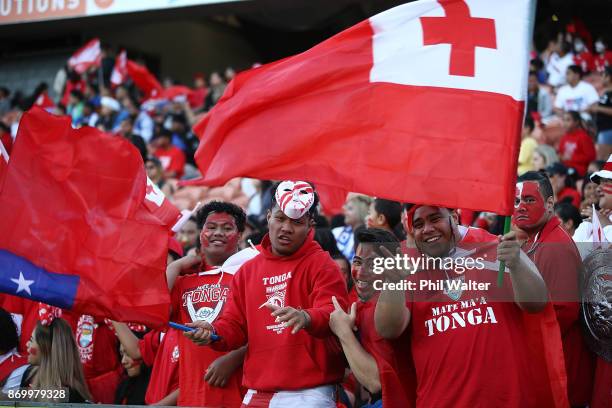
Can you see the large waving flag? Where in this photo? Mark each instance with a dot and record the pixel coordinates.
(88, 55)
(119, 74)
(144, 79)
(421, 103)
(75, 229)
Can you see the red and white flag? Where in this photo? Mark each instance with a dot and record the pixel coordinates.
(88, 55)
(120, 73)
(45, 102)
(157, 203)
(144, 80)
(422, 103)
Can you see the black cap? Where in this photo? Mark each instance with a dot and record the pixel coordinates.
(557, 168)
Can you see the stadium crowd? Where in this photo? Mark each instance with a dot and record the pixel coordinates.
(339, 341)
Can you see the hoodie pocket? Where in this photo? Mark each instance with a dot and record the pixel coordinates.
(284, 367)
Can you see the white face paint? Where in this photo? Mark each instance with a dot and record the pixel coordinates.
(518, 194)
(600, 47)
(294, 198)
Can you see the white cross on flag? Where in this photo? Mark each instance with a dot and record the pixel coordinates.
(422, 103)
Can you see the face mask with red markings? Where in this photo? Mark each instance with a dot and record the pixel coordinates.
(294, 198)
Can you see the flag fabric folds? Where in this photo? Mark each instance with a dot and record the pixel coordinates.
(422, 103)
(75, 231)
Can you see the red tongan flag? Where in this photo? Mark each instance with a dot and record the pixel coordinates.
(144, 80)
(76, 231)
(422, 103)
(120, 72)
(88, 55)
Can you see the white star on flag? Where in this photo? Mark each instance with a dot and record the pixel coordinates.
(23, 284)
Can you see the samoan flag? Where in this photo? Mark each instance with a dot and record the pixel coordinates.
(74, 228)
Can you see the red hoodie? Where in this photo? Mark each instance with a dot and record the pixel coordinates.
(577, 150)
(277, 360)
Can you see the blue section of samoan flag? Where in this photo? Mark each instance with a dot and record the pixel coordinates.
(20, 277)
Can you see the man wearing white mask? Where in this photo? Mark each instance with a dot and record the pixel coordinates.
(280, 302)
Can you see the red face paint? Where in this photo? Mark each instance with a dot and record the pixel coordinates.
(529, 208)
(220, 233)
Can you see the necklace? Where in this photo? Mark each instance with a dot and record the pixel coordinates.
(534, 244)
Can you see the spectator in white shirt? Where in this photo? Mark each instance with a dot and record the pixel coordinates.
(577, 95)
(558, 63)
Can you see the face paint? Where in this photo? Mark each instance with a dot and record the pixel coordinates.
(529, 207)
(294, 198)
(220, 233)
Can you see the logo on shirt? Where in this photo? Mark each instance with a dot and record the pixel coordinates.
(175, 354)
(84, 337)
(209, 295)
(471, 312)
(568, 150)
(276, 291)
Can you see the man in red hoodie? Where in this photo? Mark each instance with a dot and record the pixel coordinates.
(280, 302)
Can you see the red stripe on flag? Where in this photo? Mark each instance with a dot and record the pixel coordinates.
(320, 119)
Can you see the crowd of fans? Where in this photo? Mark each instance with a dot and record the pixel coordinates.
(566, 139)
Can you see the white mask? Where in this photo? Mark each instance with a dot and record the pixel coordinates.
(579, 46)
(294, 198)
(600, 47)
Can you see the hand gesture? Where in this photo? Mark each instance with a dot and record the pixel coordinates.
(298, 319)
(393, 274)
(341, 322)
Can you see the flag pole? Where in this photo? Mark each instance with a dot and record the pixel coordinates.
(502, 264)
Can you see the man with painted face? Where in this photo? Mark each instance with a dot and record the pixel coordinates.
(207, 377)
(463, 339)
(558, 259)
(280, 303)
(384, 367)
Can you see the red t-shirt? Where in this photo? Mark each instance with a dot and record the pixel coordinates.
(601, 61)
(558, 260)
(393, 359)
(585, 61)
(470, 351)
(172, 159)
(572, 193)
(577, 150)
(160, 351)
(202, 297)
(197, 97)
